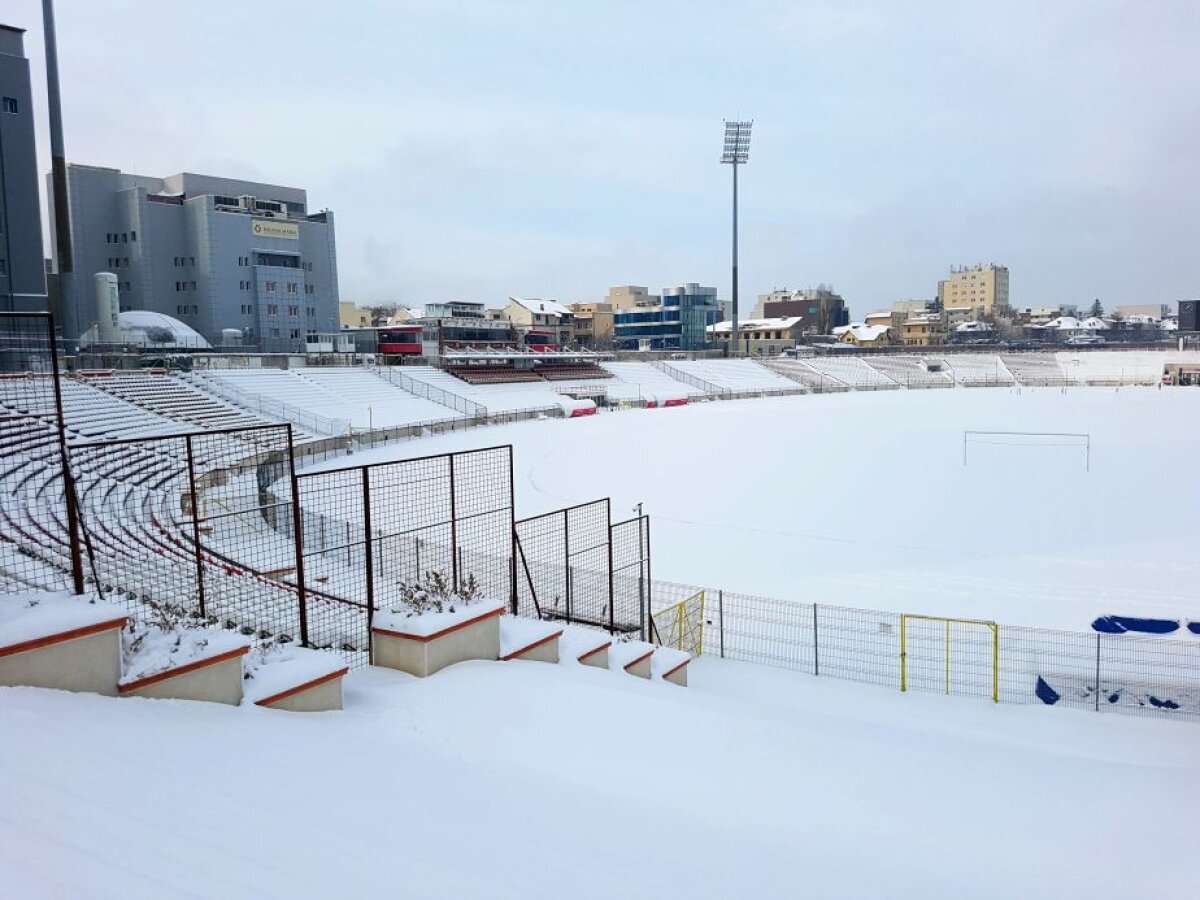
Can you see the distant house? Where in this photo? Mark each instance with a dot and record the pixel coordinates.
(545, 324)
(760, 337)
(862, 335)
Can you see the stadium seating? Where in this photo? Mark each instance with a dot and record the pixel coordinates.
(978, 369)
(642, 381)
(908, 371)
(172, 398)
(500, 397)
(850, 371)
(492, 373)
(570, 371)
(735, 375)
(1035, 368)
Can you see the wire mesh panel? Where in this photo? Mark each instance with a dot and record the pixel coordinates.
(563, 566)
(630, 541)
(369, 531)
(858, 645)
(1143, 675)
(1060, 665)
(36, 547)
(194, 522)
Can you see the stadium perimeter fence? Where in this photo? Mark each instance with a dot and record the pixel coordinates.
(1126, 673)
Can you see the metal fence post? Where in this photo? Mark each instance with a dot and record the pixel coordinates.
(1098, 637)
(453, 530)
(195, 513)
(369, 562)
(512, 534)
(70, 498)
(721, 619)
(816, 644)
(298, 533)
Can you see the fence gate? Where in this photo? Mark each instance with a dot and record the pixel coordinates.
(631, 574)
(564, 565)
(681, 625)
(952, 656)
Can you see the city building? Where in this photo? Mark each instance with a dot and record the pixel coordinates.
(1145, 311)
(760, 337)
(592, 325)
(631, 296)
(22, 258)
(982, 288)
(821, 309)
(456, 309)
(225, 257)
(463, 325)
(923, 330)
(543, 323)
(679, 322)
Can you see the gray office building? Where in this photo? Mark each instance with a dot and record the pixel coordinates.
(22, 263)
(245, 264)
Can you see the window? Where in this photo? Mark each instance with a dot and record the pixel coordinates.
(124, 237)
(293, 310)
(295, 334)
(108, 238)
(133, 235)
(272, 309)
(291, 287)
(3, 267)
(191, 260)
(269, 287)
(9, 105)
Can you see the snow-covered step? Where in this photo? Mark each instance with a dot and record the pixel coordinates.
(426, 643)
(529, 639)
(670, 665)
(58, 640)
(192, 664)
(632, 657)
(293, 679)
(584, 646)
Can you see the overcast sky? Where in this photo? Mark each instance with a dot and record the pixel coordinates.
(472, 150)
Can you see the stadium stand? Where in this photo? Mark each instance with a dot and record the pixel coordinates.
(172, 398)
(851, 371)
(735, 375)
(642, 381)
(492, 373)
(570, 371)
(501, 397)
(909, 371)
(1118, 367)
(1035, 368)
(977, 369)
(804, 375)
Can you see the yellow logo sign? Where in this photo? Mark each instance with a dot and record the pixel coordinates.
(266, 228)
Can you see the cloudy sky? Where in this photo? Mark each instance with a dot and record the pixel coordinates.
(472, 150)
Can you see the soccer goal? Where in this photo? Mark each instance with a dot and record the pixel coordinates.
(955, 656)
(1029, 440)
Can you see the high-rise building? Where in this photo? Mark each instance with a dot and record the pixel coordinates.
(219, 254)
(982, 288)
(22, 261)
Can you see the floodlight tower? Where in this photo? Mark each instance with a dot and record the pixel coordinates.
(737, 153)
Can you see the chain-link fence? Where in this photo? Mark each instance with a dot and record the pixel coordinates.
(38, 526)
(1141, 675)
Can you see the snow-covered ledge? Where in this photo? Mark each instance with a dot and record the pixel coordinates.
(529, 639)
(584, 646)
(188, 664)
(632, 657)
(293, 679)
(59, 640)
(670, 665)
(422, 644)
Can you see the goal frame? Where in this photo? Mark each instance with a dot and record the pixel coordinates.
(905, 618)
(1086, 438)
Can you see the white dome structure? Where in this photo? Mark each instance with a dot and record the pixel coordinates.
(152, 330)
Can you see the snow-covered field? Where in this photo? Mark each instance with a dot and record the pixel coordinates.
(863, 499)
(494, 780)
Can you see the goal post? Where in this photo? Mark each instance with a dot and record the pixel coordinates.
(1033, 439)
(941, 628)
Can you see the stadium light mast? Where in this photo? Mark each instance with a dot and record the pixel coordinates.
(736, 153)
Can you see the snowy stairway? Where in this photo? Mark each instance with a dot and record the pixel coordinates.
(61, 641)
(529, 639)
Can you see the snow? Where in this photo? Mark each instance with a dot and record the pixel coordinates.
(33, 615)
(622, 653)
(576, 642)
(529, 778)
(151, 650)
(406, 622)
(862, 499)
(666, 659)
(517, 634)
(273, 668)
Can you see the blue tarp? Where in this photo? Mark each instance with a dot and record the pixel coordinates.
(1122, 624)
(1194, 627)
(1046, 694)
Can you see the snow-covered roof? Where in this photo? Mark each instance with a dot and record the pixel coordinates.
(151, 329)
(546, 307)
(865, 333)
(1064, 323)
(783, 322)
(973, 326)
(1094, 323)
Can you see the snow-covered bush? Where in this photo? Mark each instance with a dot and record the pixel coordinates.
(435, 594)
